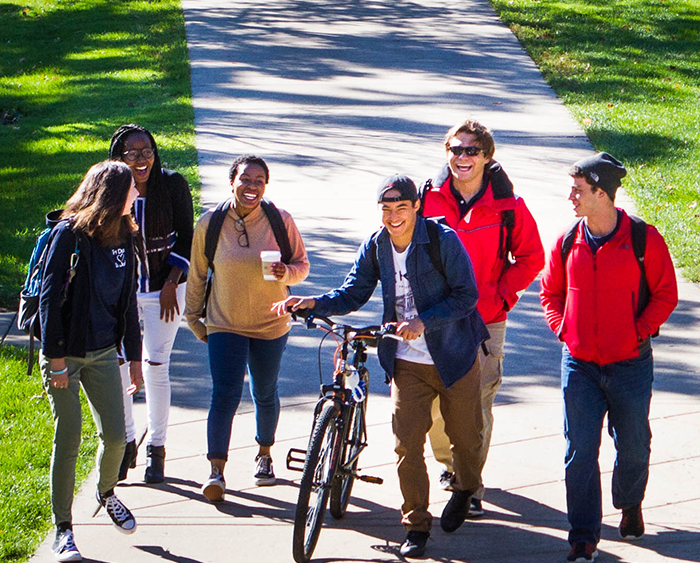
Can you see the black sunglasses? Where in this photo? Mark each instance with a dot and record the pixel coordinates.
(469, 151)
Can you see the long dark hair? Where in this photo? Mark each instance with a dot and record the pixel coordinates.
(159, 208)
(97, 206)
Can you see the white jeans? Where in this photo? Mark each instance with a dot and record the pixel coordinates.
(158, 339)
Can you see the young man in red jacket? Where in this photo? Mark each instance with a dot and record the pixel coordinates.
(476, 198)
(591, 290)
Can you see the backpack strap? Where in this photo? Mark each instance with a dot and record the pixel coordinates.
(639, 246)
(568, 241)
(434, 246)
(211, 240)
(278, 228)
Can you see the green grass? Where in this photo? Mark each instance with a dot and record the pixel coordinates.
(629, 71)
(26, 435)
(71, 72)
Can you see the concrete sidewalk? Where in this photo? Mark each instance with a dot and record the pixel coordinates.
(336, 95)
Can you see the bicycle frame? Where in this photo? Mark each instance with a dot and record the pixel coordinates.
(338, 436)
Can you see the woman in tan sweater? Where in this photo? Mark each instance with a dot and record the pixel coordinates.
(240, 328)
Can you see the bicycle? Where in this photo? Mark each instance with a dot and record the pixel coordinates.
(339, 433)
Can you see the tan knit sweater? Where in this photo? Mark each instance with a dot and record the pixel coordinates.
(240, 299)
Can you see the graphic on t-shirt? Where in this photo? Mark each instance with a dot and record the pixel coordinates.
(410, 350)
(119, 257)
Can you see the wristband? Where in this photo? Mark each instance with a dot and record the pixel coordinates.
(60, 372)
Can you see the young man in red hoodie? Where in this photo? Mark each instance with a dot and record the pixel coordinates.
(476, 198)
(605, 293)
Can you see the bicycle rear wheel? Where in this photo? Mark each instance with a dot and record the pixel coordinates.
(319, 470)
(353, 439)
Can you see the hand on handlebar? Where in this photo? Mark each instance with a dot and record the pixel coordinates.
(293, 303)
(410, 330)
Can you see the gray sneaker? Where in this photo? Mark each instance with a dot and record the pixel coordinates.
(64, 548)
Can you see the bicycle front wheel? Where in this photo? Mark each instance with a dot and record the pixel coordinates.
(316, 479)
(353, 439)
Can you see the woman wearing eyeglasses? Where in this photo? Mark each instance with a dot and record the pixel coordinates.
(163, 212)
(240, 329)
(476, 198)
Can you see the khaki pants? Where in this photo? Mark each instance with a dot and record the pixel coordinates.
(491, 377)
(98, 373)
(413, 391)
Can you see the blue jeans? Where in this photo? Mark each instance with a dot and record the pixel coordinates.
(623, 391)
(229, 356)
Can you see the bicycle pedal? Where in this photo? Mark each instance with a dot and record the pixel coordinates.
(296, 459)
(370, 479)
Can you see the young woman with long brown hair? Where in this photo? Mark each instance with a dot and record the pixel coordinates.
(88, 312)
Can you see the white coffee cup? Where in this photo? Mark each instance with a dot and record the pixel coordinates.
(269, 257)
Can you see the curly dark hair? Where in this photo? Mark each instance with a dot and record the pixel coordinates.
(248, 159)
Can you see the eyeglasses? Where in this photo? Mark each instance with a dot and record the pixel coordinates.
(469, 151)
(243, 238)
(133, 154)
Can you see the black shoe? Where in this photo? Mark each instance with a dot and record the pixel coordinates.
(582, 552)
(455, 511)
(632, 523)
(155, 465)
(129, 459)
(121, 516)
(414, 546)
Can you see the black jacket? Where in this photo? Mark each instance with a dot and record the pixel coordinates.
(174, 248)
(64, 327)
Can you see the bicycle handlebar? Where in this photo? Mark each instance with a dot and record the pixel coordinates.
(349, 332)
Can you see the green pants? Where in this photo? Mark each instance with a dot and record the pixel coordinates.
(98, 373)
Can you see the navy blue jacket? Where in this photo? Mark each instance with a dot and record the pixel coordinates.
(64, 328)
(454, 330)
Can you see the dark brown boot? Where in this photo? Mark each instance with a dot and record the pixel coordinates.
(155, 465)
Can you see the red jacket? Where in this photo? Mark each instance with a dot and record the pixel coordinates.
(591, 303)
(481, 233)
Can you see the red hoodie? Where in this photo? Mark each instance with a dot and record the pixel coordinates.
(482, 234)
(591, 302)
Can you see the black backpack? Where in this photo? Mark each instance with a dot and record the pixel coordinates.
(502, 188)
(639, 244)
(211, 238)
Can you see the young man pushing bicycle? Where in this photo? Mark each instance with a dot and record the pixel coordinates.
(429, 292)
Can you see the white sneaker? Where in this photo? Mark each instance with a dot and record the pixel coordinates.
(64, 548)
(214, 488)
(121, 516)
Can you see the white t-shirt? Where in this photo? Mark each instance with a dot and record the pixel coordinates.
(409, 350)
